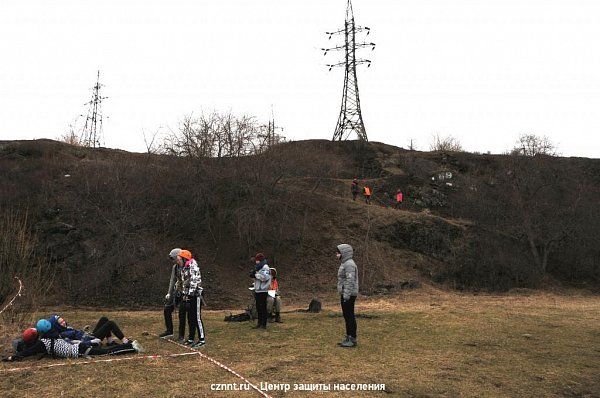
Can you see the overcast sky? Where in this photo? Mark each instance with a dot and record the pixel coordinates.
(482, 71)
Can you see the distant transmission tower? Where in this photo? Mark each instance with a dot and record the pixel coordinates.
(350, 119)
(92, 135)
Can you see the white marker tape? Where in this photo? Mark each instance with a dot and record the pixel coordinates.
(14, 298)
(219, 364)
(73, 363)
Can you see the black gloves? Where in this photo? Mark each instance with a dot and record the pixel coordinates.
(252, 274)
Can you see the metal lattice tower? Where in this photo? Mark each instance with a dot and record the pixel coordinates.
(350, 119)
(92, 135)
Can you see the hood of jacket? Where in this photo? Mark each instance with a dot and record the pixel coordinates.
(347, 252)
(260, 265)
(55, 325)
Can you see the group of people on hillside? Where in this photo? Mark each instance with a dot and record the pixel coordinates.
(53, 336)
(355, 189)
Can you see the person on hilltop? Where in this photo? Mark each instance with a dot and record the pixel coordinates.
(172, 299)
(367, 194)
(398, 198)
(355, 189)
(262, 282)
(347, 287)
(191, 301)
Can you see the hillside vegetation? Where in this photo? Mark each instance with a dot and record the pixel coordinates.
(104, 220)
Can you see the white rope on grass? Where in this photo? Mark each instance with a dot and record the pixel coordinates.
(73, 363)
(219, 364)
(14, 298)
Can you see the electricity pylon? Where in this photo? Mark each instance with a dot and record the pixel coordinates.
(350, 119)
(92, 135)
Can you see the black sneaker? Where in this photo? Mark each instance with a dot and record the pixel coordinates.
(189, 342)
(165, 335)
(199, 344)
(181, 340)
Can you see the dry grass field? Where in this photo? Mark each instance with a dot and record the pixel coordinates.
(420, 344)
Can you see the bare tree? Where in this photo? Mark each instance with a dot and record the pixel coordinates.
(150, 141)
(445, 144)
(532, 145)
(220, 135)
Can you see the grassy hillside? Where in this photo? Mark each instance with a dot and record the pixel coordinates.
(106, 219)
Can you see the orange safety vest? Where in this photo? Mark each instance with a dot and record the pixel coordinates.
(367, 191)
(274, 284)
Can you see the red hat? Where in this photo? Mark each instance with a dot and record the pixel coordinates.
(259, 257)
(30, 335)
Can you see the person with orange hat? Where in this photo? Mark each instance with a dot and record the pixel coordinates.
(191, 302)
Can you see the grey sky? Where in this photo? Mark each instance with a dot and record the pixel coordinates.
(483, 71)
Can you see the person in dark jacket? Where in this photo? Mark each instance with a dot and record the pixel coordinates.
(347, 287)
(355, 189)
(171, 298)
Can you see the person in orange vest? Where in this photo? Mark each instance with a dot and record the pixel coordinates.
(399, 198)
(367, 193)
(354, 189)
(274, 299)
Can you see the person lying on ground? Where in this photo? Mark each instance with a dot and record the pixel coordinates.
(59, 348)
(104, 329)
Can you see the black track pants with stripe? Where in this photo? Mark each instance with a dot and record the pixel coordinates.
(195, 318)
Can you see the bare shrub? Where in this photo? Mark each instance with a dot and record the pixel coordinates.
(71, 138)
(445, 144)
(19, 259)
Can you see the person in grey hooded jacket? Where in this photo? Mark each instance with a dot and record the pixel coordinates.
(262, 282)
(171, 299)
(348, 289)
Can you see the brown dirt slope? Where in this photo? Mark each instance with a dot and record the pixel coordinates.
(105, 219)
